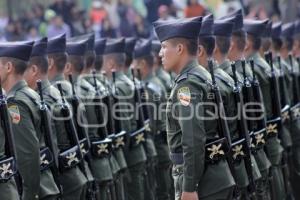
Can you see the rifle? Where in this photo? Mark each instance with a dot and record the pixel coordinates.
(295, 103)
(84, 142)
(48, 135)
(141, 129)
(244, 132)
(275, 121)
(222, 125)
(10, 147)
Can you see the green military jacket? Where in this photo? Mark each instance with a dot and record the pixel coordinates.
(165, 79)
(125, 88)
(263, 73)
(188, 132)
(26, 124)
(72, 179)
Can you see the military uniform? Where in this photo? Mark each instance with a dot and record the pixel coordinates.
(24, 109)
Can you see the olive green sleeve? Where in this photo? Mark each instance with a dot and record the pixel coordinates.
(28, 155)
(193, 136)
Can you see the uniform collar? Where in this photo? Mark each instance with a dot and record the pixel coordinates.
(58, 77)
(19, 85)
(192, 64)
(254, 56)
(149, 77)
(45, 84)
(225, 65)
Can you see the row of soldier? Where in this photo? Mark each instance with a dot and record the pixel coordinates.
(128, 158)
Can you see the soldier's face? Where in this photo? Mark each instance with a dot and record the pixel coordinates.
(168, 54)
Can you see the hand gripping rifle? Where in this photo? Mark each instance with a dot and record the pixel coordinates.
(244, 132)
(10, 148)
(48, 135)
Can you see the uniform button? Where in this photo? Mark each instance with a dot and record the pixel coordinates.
(36, 196)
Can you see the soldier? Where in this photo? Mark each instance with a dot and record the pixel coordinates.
(226, 84)
(114, 59)
(274, 149)
(164, 76)
(143, 60)
(26, 123)
(119, 168)
(72, 180)
(236, 53)
(8, 186)
(266, 39)
(187, 137)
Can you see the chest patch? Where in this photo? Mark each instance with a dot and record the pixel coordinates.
(184, 96)
(14, 113)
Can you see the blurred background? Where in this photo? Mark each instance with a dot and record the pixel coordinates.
(32, 19)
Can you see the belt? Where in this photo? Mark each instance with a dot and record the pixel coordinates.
(8, 169)
(215, 151)
(46, 158)
(273, 127)
(177, 158)
(137, 137)
(101, 148)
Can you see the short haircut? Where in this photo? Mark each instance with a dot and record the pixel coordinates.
(98, 62)
(77, 62)
(119, 58)
(288, 43)
(149, 59)
(256, 42)
(41, 62)
(191, 44)
(277, 44)
(208, 43)
(19, 65)
(240, 38)
(60, 60)
(89, 59)
(128, 59)
(266, 44)
(223, 43)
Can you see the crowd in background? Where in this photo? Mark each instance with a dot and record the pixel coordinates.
(116, 18)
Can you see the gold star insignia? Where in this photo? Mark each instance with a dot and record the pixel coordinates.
(43, 160)
(5, 169)
(215, 150)
(102, 148)
(82, 149)
(120, 142)
(72, 158)
(296, 113)
(238, 151)
(139, 138)
(271, 128)
(260, 139)
(285, 116)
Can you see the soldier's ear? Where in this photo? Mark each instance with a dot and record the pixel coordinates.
(67, 69)
(50, 63)
(9, 67)
(200, 51)
(34, 70)
(179, 48)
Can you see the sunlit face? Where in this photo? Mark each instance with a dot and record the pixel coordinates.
(168, 54)
(3, 71)
(29, 77)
